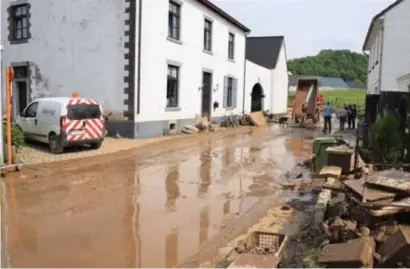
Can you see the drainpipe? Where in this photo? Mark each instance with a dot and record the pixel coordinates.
(1, 107)
(139, 56)
(244, 75)
(381, 56)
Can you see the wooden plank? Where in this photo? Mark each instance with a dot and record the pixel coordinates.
(393, 184)
(330, 171)
(366, 193)
(258, 118)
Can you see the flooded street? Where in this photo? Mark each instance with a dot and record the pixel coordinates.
(153, 207)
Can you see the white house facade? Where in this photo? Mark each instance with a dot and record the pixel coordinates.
(154, 63)
(201, 61)
(389, 56)
(266, 86)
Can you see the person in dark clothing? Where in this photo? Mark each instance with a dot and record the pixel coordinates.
(354, 115)
(349, 116)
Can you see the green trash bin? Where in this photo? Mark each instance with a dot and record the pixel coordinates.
(319, 150)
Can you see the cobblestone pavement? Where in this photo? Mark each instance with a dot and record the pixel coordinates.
(36, 153)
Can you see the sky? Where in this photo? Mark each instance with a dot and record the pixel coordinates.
(308, 25)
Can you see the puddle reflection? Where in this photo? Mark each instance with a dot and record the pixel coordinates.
(172, 187)
(142, 212)
(204, 222)
(171, 249)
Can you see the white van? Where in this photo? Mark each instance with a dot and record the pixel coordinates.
(63, 121)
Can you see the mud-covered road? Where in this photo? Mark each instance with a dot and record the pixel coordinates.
(153, 207)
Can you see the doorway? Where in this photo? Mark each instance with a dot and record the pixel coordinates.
(206, 94)
(22, 95)
(257, 98)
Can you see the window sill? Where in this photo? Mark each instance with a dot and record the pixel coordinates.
(21, 41)
(172, 109)
(208, 52)
(231, 60)
(229, 108)
(174, 40)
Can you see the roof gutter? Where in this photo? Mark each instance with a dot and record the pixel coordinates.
(381, 56)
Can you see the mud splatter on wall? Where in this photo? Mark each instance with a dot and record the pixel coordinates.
(40, 86)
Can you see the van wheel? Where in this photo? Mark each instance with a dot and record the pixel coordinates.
(55, 144)
(96, 145)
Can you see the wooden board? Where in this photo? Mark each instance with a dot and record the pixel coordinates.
(300, 99)
(331, 171)
(366, 193)
(258, 118)
(401, 184)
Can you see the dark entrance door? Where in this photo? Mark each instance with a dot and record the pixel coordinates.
(206, 94)
(22, 95)
(257, 98)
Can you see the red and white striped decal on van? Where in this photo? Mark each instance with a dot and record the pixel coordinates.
(93, 128)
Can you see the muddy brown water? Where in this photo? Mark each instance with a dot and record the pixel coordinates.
(152, 207)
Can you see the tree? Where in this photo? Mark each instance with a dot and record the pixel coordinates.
(346, 64)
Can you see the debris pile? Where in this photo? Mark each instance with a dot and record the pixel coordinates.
(372, 228)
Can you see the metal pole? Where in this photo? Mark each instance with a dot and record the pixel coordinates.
(1, 108)
(9, 75)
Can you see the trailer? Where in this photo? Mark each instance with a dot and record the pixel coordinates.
(307, 91)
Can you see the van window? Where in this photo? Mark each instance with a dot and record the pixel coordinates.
(31, 111)
(83, 112)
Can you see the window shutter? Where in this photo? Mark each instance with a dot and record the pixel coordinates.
(225, 97)
(235, 93)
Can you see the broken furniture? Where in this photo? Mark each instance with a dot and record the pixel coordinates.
(396, 249)
(381, 194)
(355, 253)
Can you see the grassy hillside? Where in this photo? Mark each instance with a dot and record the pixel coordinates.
(340, 97)
(348, 65)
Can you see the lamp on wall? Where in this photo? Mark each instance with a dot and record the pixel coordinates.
(217, 88)
(201, 87)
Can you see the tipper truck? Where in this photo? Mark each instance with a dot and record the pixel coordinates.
(307, 91)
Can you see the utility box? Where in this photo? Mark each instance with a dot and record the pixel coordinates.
(341, 156)
(319, 150)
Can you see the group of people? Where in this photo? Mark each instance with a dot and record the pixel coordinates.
(348, 114)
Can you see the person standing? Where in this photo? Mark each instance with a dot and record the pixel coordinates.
(304, 113)
(343, 114)
(327, 115)
(348, 116)
(354, 115)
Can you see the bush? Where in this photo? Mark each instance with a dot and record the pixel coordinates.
(387, 139)
(17, 137)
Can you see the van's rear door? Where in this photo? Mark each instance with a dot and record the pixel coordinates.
(84, 121)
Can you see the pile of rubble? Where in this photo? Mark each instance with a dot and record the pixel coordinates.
(364, 216)
(202, 124)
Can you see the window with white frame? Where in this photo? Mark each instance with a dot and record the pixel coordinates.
(174, 20)
(230, 92)
(231, 46)
(172, 86)
(207, 35)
